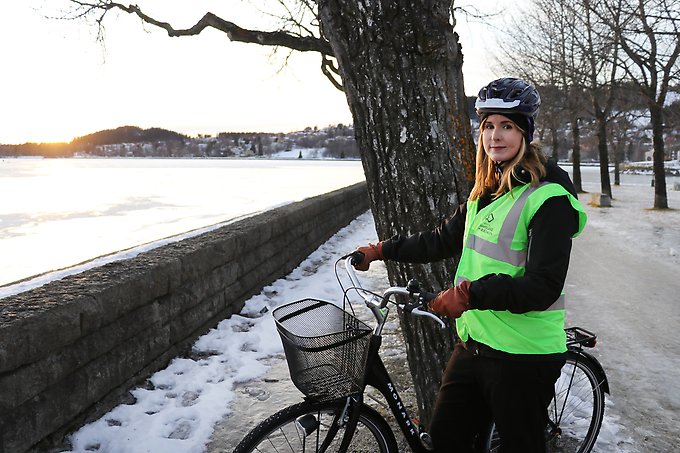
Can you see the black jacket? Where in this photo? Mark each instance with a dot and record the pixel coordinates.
(551, 228)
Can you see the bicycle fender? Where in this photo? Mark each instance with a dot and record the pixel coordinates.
(594, 364)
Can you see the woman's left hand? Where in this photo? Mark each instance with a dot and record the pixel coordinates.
(452, 302)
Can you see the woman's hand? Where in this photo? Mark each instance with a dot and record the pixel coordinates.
(453, 301)
(371, 252)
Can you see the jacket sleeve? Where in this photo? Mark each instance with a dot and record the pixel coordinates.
(445, 241)
(550, 231)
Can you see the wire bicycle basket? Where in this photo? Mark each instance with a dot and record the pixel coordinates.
(326, 348)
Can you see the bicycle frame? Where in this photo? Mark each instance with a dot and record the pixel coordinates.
(377, 375)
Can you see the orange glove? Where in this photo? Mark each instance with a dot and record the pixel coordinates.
(453, 301)
(372, 252)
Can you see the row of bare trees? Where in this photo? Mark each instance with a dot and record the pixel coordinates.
(597, 54)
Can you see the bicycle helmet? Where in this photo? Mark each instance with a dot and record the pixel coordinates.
(508, 95)
(513, 98)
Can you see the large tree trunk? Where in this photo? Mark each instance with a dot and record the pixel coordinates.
(555, 143)
(660, 195)
(401, 67)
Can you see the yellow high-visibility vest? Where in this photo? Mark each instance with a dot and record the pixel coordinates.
(496, 241)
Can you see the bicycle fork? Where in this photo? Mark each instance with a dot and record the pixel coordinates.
(347, 419)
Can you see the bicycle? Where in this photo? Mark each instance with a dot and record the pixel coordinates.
(333, 356)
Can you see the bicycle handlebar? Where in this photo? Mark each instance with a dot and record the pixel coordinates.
(375, 303)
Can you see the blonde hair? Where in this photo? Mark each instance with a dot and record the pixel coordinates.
(530, 158)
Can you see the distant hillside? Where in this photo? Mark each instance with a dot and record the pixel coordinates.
(126, 134)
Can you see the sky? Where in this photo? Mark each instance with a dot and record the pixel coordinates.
(58, 82)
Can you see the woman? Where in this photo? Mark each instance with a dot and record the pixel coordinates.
(514, 239)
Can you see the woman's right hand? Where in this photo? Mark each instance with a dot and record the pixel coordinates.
(370, 252)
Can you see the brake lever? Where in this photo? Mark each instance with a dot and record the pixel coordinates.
(420, 312)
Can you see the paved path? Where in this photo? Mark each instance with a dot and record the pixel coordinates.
(632, 301)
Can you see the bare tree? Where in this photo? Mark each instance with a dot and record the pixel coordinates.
(400, 65)
(569, 53)
(549, 57)
(600, 52)
(649, 35)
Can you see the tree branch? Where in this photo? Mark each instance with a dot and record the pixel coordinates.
(233, 31)
(331, 72)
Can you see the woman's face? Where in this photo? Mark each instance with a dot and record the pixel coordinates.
(501, 138)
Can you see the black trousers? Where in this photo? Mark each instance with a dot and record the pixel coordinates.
(478, 387)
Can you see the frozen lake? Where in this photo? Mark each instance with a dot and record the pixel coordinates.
(56, 213)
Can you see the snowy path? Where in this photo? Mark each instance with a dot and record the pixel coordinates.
(632, 303)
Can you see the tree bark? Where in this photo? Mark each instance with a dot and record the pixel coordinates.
(660, 195)
(576, 155)
(401, 69)
(555, 143)
(605, 182)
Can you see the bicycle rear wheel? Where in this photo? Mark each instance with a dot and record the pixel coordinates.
(312, 427)
(575, 413)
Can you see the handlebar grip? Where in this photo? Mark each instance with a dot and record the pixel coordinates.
(425, 297)
(357, 257)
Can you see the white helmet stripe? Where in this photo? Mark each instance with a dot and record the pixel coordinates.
(495, 103)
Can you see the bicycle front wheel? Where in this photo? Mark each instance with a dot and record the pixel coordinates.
(575, 413)
(313, 427)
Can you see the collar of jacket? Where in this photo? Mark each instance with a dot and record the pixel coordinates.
(521, 175)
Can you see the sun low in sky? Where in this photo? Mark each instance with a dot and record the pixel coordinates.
(57, 82)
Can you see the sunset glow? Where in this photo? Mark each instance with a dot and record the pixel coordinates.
(58, 82)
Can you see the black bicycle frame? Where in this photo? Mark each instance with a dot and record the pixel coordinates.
(378, 377)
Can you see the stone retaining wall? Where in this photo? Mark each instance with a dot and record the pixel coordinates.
(71, 350)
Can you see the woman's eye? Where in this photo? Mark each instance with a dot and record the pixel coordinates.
(507, 126)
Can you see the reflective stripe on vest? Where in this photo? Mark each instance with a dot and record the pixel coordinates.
(497, 250)
(496, 242)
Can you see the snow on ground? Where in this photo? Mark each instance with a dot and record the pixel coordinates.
(300, 153)
(178, 408)
(632, 220)
(176, 411)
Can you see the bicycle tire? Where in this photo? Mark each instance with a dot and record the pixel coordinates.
(576, 412)
(279, 433)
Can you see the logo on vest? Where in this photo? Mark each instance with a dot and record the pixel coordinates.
(485, 228)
